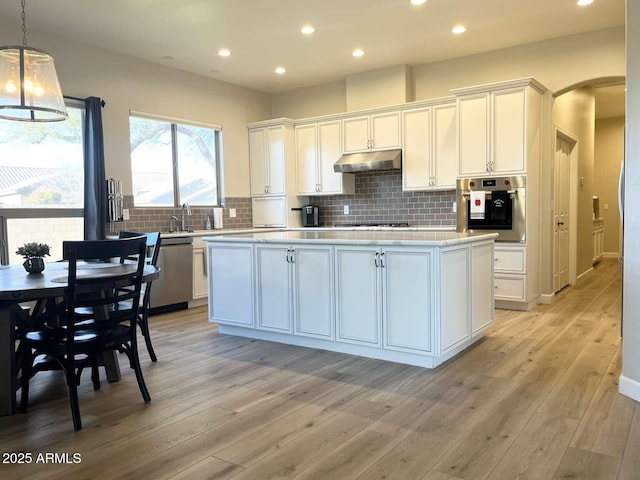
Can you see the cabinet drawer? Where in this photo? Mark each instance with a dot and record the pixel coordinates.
(510, 287)
(509, 260)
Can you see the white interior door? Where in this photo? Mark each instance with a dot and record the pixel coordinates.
(562, 217)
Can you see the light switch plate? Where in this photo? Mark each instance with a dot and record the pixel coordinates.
(125, 214)
(455, 207)
(345, 210)
(232, 213)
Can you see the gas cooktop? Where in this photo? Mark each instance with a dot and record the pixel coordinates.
(373, 224)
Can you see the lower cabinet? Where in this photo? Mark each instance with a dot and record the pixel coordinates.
(384, 297)
(510, 273)
(231, 283)
(200, 284)
(418, 305)
(598, 240)
(294, 289)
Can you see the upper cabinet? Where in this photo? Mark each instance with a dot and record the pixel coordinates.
(267, 155)
(272, 173)
(317, 150)
(378, 131)
(497, 127)
(429, 147)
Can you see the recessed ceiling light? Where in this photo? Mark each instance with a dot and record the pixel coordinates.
(418, 2)
(224, 52)
(358, 52)
(280, 70)
(307, 29)
(458, 29)
(582, 3)
(168, 58)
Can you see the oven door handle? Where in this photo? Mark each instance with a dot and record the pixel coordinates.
(468, 193)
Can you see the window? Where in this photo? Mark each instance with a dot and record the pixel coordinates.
(41, 183)
(173, 163)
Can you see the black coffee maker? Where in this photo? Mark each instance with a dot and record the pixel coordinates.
(310, 216)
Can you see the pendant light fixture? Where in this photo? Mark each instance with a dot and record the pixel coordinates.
(29, 87)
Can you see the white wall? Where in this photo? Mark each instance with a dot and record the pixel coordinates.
(630, 378)
(609, 152)
(325, 99)
(574, 112)
(127, 83)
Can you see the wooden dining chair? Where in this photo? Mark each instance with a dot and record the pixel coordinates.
(153, 250)
(75, 344)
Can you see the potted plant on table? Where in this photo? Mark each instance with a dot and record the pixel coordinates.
(34, 254)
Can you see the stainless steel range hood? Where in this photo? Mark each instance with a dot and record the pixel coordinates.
(369, 161)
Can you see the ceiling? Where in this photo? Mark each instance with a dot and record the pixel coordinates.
(263, 35)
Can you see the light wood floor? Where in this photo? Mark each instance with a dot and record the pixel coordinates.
(536, 399)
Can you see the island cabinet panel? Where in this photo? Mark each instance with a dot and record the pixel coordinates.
(313, 287)
(482, 290)
(273, 288)
(358, 295)
(455, 294)
(408, 300)
(231, 284)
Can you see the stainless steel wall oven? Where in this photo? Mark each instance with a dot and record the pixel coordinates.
(493, 204)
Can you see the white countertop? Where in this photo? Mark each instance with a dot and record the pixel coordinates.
(385, 236)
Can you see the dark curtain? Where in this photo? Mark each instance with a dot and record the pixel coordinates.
(95, 196)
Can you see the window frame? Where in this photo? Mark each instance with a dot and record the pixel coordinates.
(174, 123)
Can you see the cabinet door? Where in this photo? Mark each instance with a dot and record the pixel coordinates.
(407, 299)
(269, 211)
(313, 291)
(416, 149)
(357, 296)
(482, 291)
(445, 146)
(329, 152)
(306, 159)
(473, 134)
(455, 295)
(200, 287)
(257, 160)
(355, 134)
(275, 164)
(231, 284)
(385, 130)
(273, 298)
(508, 150)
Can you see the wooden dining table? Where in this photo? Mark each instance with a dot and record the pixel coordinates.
(18, 287)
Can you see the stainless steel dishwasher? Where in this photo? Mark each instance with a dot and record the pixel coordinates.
(173, 289)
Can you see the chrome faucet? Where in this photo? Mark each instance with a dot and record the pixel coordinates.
(185, 211)
(171, 227)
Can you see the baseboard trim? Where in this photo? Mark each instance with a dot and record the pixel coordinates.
(629, 388)
(586, 272)
(611, 255)
(547, 298)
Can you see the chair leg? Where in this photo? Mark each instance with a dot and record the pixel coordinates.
(95, 373)
(135, 363)
(144, 327)
(73, 394)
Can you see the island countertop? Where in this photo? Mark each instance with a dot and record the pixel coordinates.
(361, 237)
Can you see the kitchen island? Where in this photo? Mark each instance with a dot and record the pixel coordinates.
(414, 297)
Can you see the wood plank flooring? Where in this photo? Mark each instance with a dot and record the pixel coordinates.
(536, 399)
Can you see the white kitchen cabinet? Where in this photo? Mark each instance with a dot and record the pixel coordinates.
(294, 289)
(231, 284)
(200, 269)
(273, 288)
(510, 267)
(313, 304)
(429, 147)
(376, 131)
(388, 288)
(318, 148)
(482, 261)
(267, 160)
(494, 128)
(407, 299)
(358, 295)
(269, 211)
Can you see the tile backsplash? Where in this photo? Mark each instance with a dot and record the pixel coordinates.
(379, 198)
(150, 219)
